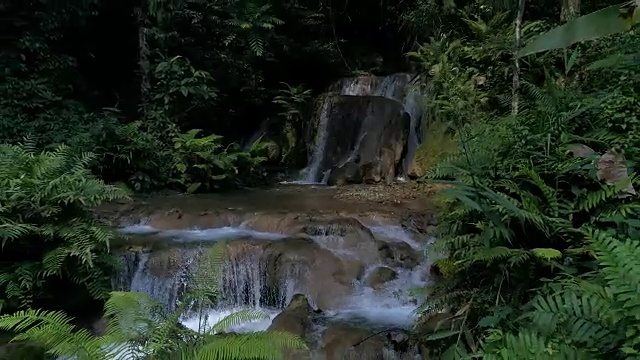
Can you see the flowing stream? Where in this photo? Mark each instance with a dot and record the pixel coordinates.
(250, 279)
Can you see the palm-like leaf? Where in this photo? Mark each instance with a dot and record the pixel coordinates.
(608, 21)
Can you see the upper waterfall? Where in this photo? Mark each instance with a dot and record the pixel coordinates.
(369, 132)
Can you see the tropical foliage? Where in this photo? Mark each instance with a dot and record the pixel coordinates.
(540, 221)
(533, 127)
(50, 239)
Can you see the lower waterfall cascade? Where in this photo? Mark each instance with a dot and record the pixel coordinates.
(248, 279)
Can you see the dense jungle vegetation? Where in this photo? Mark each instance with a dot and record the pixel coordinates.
(534, 135)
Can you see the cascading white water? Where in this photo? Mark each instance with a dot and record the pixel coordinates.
(166, 291)
(244, 280)
(310, 173)
(396, 87)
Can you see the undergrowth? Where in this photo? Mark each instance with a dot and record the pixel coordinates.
(537, 237)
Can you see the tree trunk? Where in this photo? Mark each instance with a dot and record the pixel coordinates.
(143, 59)
(570, 10)
(515, 104)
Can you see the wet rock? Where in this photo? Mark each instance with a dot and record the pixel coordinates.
(338, 226)
(345, 234)
(419, 222)
(380, 276)
(372, 173)
(295, 318)
(367, 131)
(165, 263)
(399, 254)
(349, 173)
(328, 281)
(353, 269)
(196, 218)
(19, 350)
(326, 278)
(428, 324)
(276, 222)
(342, 342)
(415, 171)
(400, 341)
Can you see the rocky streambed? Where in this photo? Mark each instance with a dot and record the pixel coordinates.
(335, 266)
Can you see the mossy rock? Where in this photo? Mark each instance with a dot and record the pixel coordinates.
(19, 350)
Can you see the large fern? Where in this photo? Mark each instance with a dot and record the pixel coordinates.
(46, 225)
(516, 202)
(594, 319)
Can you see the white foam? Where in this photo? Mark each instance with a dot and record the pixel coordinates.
(390, 305)
(139, 229)
(395, 232)
(211, 234)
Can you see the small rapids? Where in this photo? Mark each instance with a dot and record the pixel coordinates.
(247, 281)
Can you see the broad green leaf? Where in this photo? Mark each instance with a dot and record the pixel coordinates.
(615, 60)
(193, 187)
(608, 21)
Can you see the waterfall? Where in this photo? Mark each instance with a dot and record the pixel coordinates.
(310, 173)
(259, 273)
(397, 87)
(244, 280)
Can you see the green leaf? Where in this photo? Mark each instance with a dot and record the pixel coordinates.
(597, 24)
(193, 187)
(181, 167)
(615, 60)
(488, 321)
(442, 334)
(546, 253)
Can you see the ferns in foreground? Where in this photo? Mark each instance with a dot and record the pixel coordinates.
(593, 318)
(519, 201)
(139, 328)
(46, 226)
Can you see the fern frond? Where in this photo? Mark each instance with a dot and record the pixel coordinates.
(261, 345)
(55, 331)
(238, 317)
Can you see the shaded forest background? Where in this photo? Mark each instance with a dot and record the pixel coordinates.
(124, 79)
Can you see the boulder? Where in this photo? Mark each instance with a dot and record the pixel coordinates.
(326, 278)
(166, 263)
(342, 342)
(349, 173)
(380, 276)
(365, 133)
(346, 234)
(295, 318)
(398, 254)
